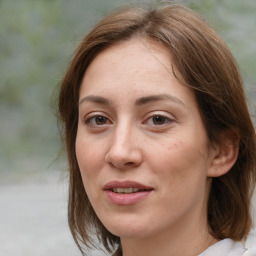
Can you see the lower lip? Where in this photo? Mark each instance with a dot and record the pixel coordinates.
(127, 199)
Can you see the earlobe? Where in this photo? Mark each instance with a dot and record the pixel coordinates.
(226, 154)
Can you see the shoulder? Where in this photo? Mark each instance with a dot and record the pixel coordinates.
(250, 244)
(250, 252)
(227, 247)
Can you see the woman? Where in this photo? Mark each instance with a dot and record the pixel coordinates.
(161, 147)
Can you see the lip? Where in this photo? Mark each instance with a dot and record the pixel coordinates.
(123, 198)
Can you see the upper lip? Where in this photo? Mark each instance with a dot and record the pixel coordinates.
(125, 184)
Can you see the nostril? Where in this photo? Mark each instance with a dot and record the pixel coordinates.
(129, 163)
(124, 159)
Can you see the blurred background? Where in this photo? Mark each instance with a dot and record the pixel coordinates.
(36, 45)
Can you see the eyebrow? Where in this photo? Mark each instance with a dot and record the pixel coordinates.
(95, 99)
(160, 97)
(138, 102)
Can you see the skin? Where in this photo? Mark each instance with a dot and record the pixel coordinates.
(120, 138)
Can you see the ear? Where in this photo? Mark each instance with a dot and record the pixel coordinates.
(225, 154)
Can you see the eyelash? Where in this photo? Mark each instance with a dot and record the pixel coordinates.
(88, 120)
(166, 121)
(91, 121)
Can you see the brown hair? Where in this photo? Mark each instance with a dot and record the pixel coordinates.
(205, 64)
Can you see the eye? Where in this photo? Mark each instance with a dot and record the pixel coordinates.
(158, 121)
(97, 120)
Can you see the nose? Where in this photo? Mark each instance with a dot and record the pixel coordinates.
(124, 151)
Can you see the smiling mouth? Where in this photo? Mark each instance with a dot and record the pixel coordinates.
(127, 190)
(126, 187)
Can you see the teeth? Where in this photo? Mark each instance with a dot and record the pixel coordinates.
(125, 190)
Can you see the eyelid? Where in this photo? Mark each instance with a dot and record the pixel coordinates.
(88, 117)
(152, 114)
(160, 113)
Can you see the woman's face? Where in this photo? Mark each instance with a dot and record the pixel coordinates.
(141, 145)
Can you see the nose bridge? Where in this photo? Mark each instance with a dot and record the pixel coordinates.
(123, 138)
(124, 149)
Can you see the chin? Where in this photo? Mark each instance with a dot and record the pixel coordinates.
(129, 228)
(125, 227)
(128, 233)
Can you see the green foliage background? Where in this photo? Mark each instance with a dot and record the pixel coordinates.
(36, 44)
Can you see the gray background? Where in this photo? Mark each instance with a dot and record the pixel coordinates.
(36, 44)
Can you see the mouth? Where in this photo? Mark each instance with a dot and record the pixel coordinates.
(126, 192)
(126, 187)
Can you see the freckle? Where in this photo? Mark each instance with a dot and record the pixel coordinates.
(173, 146)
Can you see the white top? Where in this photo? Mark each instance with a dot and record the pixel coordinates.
(228, 247)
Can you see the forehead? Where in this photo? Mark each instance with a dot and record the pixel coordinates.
(136, 66)
(131, 56)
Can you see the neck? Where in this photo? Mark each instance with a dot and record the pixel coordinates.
(189, 240)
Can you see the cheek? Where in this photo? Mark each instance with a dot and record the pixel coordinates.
(183, 163)
(87, 150)
(88, 158)
(88, 162)
(183, 173)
